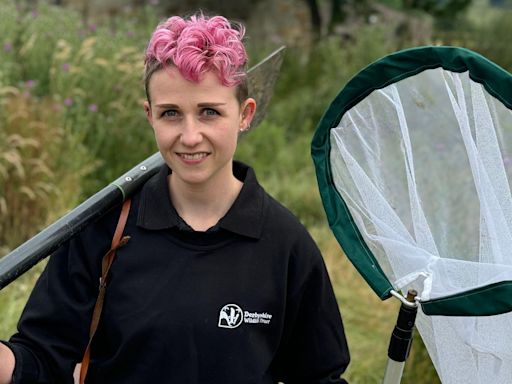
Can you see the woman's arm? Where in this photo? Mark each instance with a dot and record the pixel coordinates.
(314, 348)
(54, 327)
(6, 364)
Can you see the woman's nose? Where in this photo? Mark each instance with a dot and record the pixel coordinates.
(191, 133)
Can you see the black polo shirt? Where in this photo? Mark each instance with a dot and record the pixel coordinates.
(248, 301)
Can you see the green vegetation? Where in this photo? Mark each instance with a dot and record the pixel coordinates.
(71, 121)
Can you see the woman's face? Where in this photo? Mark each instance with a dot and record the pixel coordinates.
(196, 126)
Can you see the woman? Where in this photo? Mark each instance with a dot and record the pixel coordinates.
(218, 283)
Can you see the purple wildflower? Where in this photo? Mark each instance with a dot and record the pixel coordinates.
(68, 101)
(93, 108)
(93, 27)
(7, 47)
(30, 83)
(65, 67)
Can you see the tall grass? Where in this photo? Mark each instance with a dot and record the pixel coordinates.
(92, 72)
(41, 164)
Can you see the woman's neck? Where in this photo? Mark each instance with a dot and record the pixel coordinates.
(203, 206)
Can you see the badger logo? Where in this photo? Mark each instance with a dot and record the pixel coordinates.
(230, 316)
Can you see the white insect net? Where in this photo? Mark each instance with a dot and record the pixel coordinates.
(424, 166)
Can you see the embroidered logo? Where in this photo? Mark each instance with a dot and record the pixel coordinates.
(231, 316)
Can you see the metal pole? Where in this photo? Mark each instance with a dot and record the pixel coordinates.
(48, 240)
(401, 340)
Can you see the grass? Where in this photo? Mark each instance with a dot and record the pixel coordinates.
(41, 166)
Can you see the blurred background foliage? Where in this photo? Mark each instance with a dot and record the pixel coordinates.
(71, 117)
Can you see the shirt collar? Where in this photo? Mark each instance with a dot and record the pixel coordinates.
(245, 217)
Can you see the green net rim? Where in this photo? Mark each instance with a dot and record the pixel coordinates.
(488, 300)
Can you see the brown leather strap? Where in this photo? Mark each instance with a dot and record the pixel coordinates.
(117, 242)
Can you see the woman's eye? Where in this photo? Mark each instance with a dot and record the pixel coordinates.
(170, 113)
(210, 112)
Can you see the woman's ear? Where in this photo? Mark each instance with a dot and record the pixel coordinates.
(147, 109)
(248, 109)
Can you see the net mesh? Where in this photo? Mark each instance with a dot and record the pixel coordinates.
(424, 166)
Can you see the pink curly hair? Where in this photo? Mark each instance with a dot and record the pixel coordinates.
(197, 45)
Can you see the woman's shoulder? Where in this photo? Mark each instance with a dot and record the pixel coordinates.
(101, 230)
(277, 218)
(279, 213)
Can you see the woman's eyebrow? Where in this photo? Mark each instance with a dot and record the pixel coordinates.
(165, 105)
(210, 104)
